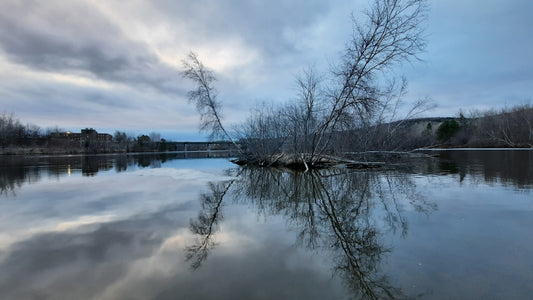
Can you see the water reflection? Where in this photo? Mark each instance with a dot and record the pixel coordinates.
(344, 213)
(80, 238)
(510, 167)
(18, 170)
(262, 233)
(83, 262)
(205, 225)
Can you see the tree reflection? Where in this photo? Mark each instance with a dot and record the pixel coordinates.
(208, 218)
(206, 223)
(14, 178)
(510, 167)
(18, 170)
(334, 210)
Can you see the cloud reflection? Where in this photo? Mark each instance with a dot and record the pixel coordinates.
(123, 236)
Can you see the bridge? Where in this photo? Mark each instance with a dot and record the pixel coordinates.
(201, 146)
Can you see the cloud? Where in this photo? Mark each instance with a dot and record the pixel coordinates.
(126, 56)
(259, 24)
(477, 56)
(76, 38)
(48, 102)
(79, 59)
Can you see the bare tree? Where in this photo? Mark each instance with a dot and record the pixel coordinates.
(509, 127)
(265, 132)
(154, 136)
(205, 97)
(10, 129)
(306, 113)
(14, 133)
(390, 34)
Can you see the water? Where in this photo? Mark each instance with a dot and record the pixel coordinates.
(164, 227)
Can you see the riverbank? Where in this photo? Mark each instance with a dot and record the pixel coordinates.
(53, 151)
(473, 149)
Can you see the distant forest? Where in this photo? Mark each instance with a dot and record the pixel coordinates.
(506, 128)
(509, 127)
(17, 138)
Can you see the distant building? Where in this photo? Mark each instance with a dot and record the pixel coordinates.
(87, 134)
(92, 135)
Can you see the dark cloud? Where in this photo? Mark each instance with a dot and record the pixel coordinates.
(477, 55)
(74, 37)
(261, 24)
(70, 106)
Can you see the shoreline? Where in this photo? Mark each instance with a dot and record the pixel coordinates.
(82, 153)
(54, 151)
(475, 149)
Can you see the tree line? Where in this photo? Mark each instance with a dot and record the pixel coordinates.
(19, 138)
(507, 127)
(14, 132)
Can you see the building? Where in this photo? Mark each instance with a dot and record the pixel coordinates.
(86, 135)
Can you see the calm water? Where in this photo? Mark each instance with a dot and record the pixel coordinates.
(163, 227)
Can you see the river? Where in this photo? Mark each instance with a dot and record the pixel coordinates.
(456, 226)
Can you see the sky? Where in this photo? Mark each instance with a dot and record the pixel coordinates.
(116, 65)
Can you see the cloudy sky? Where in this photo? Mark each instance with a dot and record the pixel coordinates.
(116, 64)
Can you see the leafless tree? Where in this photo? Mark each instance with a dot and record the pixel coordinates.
(509, 127)
(205, 97)
(14, 133)
(264, 132)
(390, 33)
(154, 137)
(305, 115)
(10, 129)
